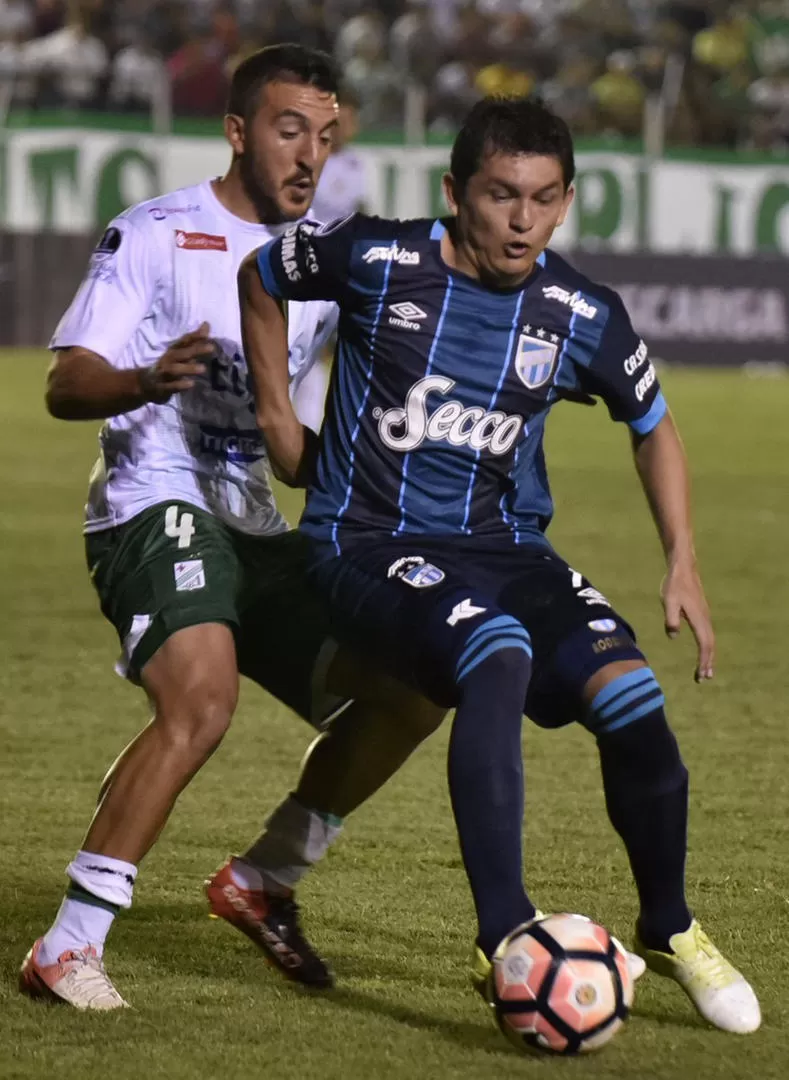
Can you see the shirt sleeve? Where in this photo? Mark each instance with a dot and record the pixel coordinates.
(309, 262)
(621, 373)
(116, 294)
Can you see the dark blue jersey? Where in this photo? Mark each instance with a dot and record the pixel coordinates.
(441, 387)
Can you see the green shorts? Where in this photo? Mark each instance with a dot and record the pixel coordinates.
(175, 565)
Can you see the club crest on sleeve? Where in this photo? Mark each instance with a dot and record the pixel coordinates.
(535, 359)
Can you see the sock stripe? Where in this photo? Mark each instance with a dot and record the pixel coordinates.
(489, 650)
(512, 631)
(619, 686)
(615, 706)
(499, 622)
(650, 704)
(76, 892)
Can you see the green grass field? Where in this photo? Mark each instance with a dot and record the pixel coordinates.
(390, 908)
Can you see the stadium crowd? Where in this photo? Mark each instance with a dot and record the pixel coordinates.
(723, 66)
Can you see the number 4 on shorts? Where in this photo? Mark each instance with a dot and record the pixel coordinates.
(181, 530)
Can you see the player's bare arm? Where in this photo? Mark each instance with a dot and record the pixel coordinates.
(291, 446)
(81, 385)
(662, 467)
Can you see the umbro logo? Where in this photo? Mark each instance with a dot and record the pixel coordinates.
(406, 315)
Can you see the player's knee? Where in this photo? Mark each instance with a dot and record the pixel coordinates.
(622, 699)
(197, 721)
(634, 736)
(501, 649)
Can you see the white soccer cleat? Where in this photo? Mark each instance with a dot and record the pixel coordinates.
(76, 978)
(718, 990)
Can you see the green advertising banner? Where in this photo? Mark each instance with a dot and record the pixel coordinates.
(72, 180)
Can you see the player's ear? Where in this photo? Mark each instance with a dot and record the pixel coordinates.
(235, 132)
(568, 202)
(449, 187)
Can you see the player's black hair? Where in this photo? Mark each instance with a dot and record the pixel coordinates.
(279, 63)
(510, 126)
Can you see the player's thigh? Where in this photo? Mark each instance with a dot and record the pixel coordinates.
(352, 676)
(194, 700)
(408, 609)
(575, 633)
(172, 566)
(284, 640)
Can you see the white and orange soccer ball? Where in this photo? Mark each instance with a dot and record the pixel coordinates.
(560, 984)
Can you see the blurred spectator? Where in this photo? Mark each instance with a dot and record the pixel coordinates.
(198, 70)
(721, 67)
(69, 64)
(138, 74)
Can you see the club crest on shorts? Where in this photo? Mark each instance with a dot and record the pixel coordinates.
(534, 360)
(416, 572)
(189, 575)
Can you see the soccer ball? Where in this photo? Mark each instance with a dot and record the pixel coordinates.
(560, 984)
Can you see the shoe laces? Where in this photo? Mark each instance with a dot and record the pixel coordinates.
(87, 976)
(709, 961)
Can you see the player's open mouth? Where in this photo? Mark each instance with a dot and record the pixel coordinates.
(303, 187)
(516, 249)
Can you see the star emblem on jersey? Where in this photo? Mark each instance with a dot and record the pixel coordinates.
(535, 357)
(406, 315)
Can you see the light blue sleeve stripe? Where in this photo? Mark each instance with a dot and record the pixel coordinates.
(438, 230)
(624, 682)
(642, 710)
(266, 273)
(648, 423)
(495, 646)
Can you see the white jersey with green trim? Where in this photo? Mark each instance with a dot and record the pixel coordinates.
(161, 269)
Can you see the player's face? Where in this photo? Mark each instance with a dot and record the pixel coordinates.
(283, 147)
(508, 213)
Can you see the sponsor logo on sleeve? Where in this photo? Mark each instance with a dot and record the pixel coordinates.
(161, 213)
(391, 253)
(293, 237)
(464, 610)
(645, 382)
(636, 359)
(199, 241)
(189, 575)
(576, 301)
(603, 626)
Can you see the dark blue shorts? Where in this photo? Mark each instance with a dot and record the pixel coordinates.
(413, 604)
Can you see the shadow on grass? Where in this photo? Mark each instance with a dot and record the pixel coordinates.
(471, 1035)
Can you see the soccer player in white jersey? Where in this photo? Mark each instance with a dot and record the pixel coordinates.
(190, 557)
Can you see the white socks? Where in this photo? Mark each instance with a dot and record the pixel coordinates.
(295, 839)
(100, 886)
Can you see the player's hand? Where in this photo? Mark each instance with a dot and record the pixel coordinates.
(683, 598)
(178, 368)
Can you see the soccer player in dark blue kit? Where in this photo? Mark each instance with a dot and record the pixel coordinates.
(428, 502)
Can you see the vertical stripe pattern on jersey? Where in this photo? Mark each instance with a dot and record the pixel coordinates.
(491, 405)
(360, 412)
(428, 370)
